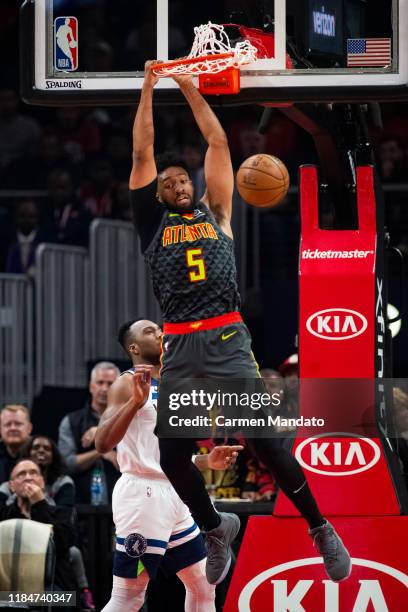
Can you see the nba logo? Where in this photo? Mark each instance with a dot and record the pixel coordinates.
(66, 43)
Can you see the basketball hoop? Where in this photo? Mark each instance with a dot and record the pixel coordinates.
(212, 59)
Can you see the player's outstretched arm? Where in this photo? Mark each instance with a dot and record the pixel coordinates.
(219, 175)
(143, 166)
(126, 396)
(219, 458)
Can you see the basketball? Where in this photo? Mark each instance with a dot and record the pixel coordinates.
(263, 180)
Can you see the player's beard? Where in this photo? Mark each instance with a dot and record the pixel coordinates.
(181, 209)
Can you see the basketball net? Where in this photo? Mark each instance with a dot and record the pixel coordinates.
(211, 54)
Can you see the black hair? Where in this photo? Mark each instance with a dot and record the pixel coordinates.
(57, 466)
(170, 158)
(124, 333)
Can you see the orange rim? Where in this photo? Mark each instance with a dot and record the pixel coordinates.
(185, 61)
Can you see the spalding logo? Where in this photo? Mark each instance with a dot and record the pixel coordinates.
(289, 596)
(336, 324)
(327, 456)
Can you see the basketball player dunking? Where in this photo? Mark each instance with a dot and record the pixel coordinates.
(204, 336)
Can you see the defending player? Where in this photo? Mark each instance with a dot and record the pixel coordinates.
(189, 248)
(153, 526)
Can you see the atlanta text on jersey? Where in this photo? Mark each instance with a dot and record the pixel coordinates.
(188, 233)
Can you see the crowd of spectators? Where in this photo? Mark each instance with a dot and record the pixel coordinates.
(35, 485)
(61, 170)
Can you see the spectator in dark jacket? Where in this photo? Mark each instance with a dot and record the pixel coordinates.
(28, 235)
(27, 482)
(77, 434)
(59, 487)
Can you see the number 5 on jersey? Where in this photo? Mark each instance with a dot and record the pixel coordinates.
(195, 260)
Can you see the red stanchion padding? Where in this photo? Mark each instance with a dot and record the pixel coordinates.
(347, 475)
(344, 463)
(279, 570)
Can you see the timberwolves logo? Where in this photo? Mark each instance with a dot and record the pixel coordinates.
(135, 545)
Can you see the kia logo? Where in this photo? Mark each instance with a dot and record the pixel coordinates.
(324, 455)
(289, 594)
(336, 324)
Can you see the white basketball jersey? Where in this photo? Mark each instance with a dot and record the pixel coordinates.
(138, 451)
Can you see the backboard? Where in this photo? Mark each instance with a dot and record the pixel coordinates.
(91, 51)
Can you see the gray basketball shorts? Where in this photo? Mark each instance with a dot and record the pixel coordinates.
(214, 351)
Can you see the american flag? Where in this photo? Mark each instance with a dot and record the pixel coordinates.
(368, 51)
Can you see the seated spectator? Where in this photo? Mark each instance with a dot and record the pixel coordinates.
(28, 486)
(60, 488)
(15, 430)
(19, 135)
(58, 485)
(67, 217)
(28, 235)
(77, 434)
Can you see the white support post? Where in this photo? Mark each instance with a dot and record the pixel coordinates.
(162, 30)
(279, 61)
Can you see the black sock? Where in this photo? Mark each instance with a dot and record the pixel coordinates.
(289, 476)
(175, 460)
(304, 501)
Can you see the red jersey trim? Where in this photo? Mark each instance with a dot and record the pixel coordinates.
(203, 324)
